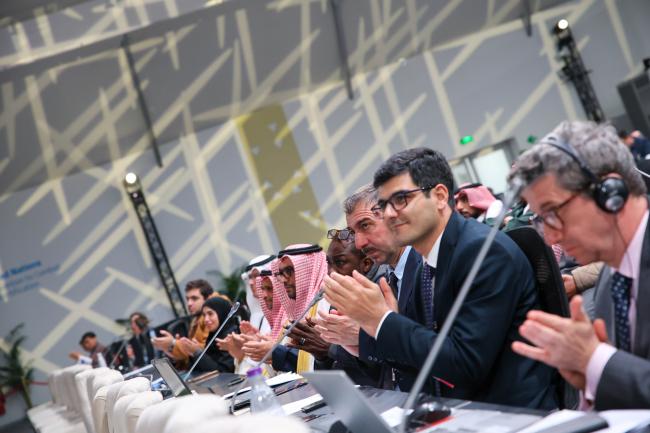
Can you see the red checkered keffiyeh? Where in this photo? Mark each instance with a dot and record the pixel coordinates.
(310, 270)
(278, 316)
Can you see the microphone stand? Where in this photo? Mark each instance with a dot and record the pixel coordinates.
(122, 346)
(515, 188)
(317, 297)
(231, 313)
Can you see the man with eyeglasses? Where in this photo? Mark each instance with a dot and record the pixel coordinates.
(571, 180)
(301, 269)
(476, 361)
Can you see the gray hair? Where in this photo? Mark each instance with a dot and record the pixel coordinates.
(367, 194)
(599, 148)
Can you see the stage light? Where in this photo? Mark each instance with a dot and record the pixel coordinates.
(131, 178)
(562, 24)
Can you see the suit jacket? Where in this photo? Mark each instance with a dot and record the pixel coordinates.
(476, 357)
(625, 382)
(405, 304)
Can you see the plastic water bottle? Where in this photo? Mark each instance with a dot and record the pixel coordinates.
(263, 399)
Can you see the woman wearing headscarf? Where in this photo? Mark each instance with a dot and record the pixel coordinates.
(214, 311)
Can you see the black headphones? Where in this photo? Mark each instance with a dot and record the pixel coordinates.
(610, 193)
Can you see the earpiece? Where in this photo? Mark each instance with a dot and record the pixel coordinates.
(609, 193)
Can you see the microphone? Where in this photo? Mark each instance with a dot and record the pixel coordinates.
(317, 297)
(514, 189)
(231, 313)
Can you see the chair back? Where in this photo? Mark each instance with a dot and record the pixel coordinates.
(551, 293)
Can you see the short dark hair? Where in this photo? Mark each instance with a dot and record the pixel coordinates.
(427, 168)
(204, 287)
(88, 334)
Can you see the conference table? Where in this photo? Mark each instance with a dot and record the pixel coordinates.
(323, 420)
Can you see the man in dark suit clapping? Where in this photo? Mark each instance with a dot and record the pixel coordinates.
(476, 361)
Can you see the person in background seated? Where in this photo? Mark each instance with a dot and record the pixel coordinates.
(90, 344)
(637, 143)
(258, 342)
(251, 272)
(196, 293)
(140, 346)
(301, 269)
(214, 312)
(476, 201)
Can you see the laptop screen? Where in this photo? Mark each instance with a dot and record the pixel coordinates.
(171, 377)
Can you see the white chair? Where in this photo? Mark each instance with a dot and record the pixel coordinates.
(248, 424)
(119, 410)
(100, 388)
(203, 406)
(137, 406)
(116, 391)
(68, 421)
(189, 410)
(83, 381)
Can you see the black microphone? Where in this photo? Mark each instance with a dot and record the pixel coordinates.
(231, 313)
(514, 189)
(317, 297)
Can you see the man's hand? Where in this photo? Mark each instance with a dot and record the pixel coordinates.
(163, 342)
(337, 329)
(245, 327)
(74, 355)
(306, 338)
(256, 349)
(360, 299)
(187, 346)
(569, 285)
(566, 344)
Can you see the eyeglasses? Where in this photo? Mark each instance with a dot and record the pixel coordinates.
(346, 234)
(551, 217)
(398, 200)
(286, 273)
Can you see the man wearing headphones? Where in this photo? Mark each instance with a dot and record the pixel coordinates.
(581, 182)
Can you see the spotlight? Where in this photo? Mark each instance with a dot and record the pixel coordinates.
(131, 178)
(562, 24)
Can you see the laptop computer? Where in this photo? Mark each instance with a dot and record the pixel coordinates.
(347, 402)
(171, 377)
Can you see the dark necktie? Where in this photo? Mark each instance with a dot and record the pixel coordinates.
(621, 296)
(392, 282)
(428, 273)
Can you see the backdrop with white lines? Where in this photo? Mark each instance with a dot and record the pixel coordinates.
(274, 170)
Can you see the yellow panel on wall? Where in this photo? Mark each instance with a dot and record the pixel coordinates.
(288, 194)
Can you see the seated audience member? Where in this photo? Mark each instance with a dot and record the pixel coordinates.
(214, 311)
(250, 346)
(179, 348)
(343, 257)
(141, 348)
(590, 199)
(635, 141)
(301, 269)
(476, 201)
(94, 348)
(476, 361)
(518, 216)
(252, 271)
